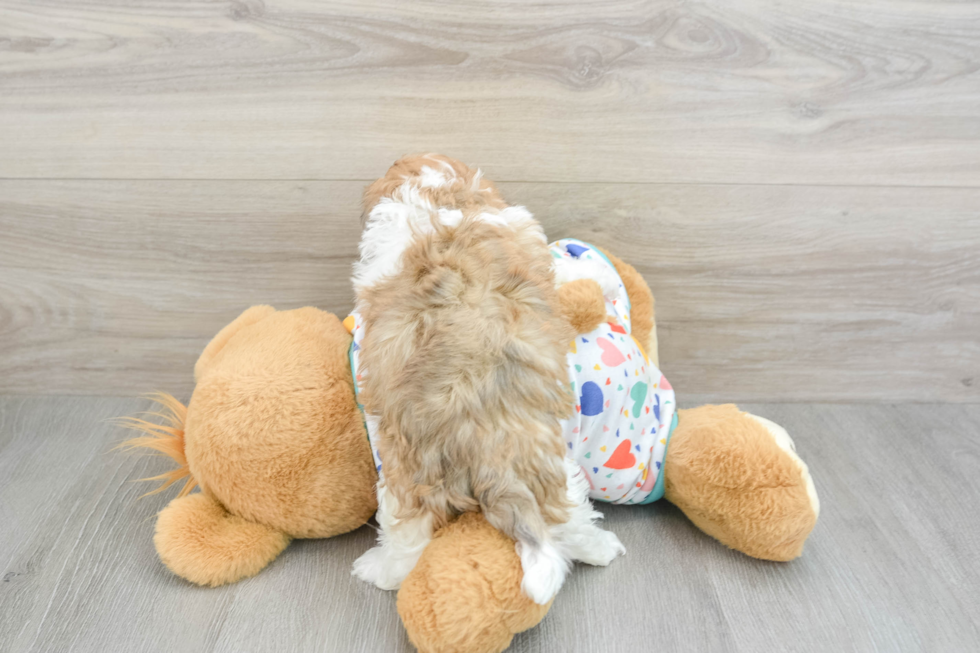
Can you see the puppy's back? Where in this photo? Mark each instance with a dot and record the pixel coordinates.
(464, 366)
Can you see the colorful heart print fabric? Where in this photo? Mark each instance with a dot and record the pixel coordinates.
(624, 406)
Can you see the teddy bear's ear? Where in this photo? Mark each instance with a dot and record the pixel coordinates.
(248, 318)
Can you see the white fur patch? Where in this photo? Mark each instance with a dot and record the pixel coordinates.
(400, 545)
(544, 571)
(396, 221)
(390, 227)
(433, 178)
(785, 443)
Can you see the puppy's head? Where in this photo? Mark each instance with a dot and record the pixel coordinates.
(439, 180)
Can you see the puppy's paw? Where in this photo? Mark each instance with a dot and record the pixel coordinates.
(604, 548)
(370, 566)
(544, 571)
(378, 567)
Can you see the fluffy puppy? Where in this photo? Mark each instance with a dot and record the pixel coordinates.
(463, 377)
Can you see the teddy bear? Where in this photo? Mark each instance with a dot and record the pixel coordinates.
(274, 438)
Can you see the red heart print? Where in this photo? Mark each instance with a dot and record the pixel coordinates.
(621, 458)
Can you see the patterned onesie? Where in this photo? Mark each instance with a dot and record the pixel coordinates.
(624, 411)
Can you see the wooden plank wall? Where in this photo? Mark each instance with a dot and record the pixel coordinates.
(799, 182)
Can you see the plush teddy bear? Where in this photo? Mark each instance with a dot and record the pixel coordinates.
(275, 439)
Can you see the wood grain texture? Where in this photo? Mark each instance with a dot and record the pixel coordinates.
(763, 292)
(821, 92)
(80, 572)
(893, 564)
(115, 287)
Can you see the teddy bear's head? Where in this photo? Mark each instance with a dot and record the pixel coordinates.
(273, 431)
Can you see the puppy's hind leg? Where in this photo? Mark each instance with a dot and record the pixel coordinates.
(580, 538)
(400, 544)
(510, 507)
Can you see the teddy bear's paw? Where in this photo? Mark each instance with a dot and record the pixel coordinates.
(380, 568)
(785, 442)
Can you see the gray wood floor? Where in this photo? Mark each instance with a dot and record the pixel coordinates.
(893, 565)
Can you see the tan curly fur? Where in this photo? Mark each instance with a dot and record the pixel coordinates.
(464, 363)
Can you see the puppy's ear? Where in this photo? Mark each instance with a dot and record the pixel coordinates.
(582, 304)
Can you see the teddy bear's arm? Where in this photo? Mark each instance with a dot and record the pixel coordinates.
(582, 304)
(642, 315)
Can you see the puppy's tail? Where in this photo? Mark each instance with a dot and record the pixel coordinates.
(512, 507)
(166, 438)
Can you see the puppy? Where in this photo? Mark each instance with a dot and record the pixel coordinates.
(460, 356)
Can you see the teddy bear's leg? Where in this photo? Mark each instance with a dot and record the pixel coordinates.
(197, 539)
(464, 595)
(738, 478)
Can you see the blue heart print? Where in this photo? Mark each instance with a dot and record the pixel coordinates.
(591, 398)
(575, 250)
